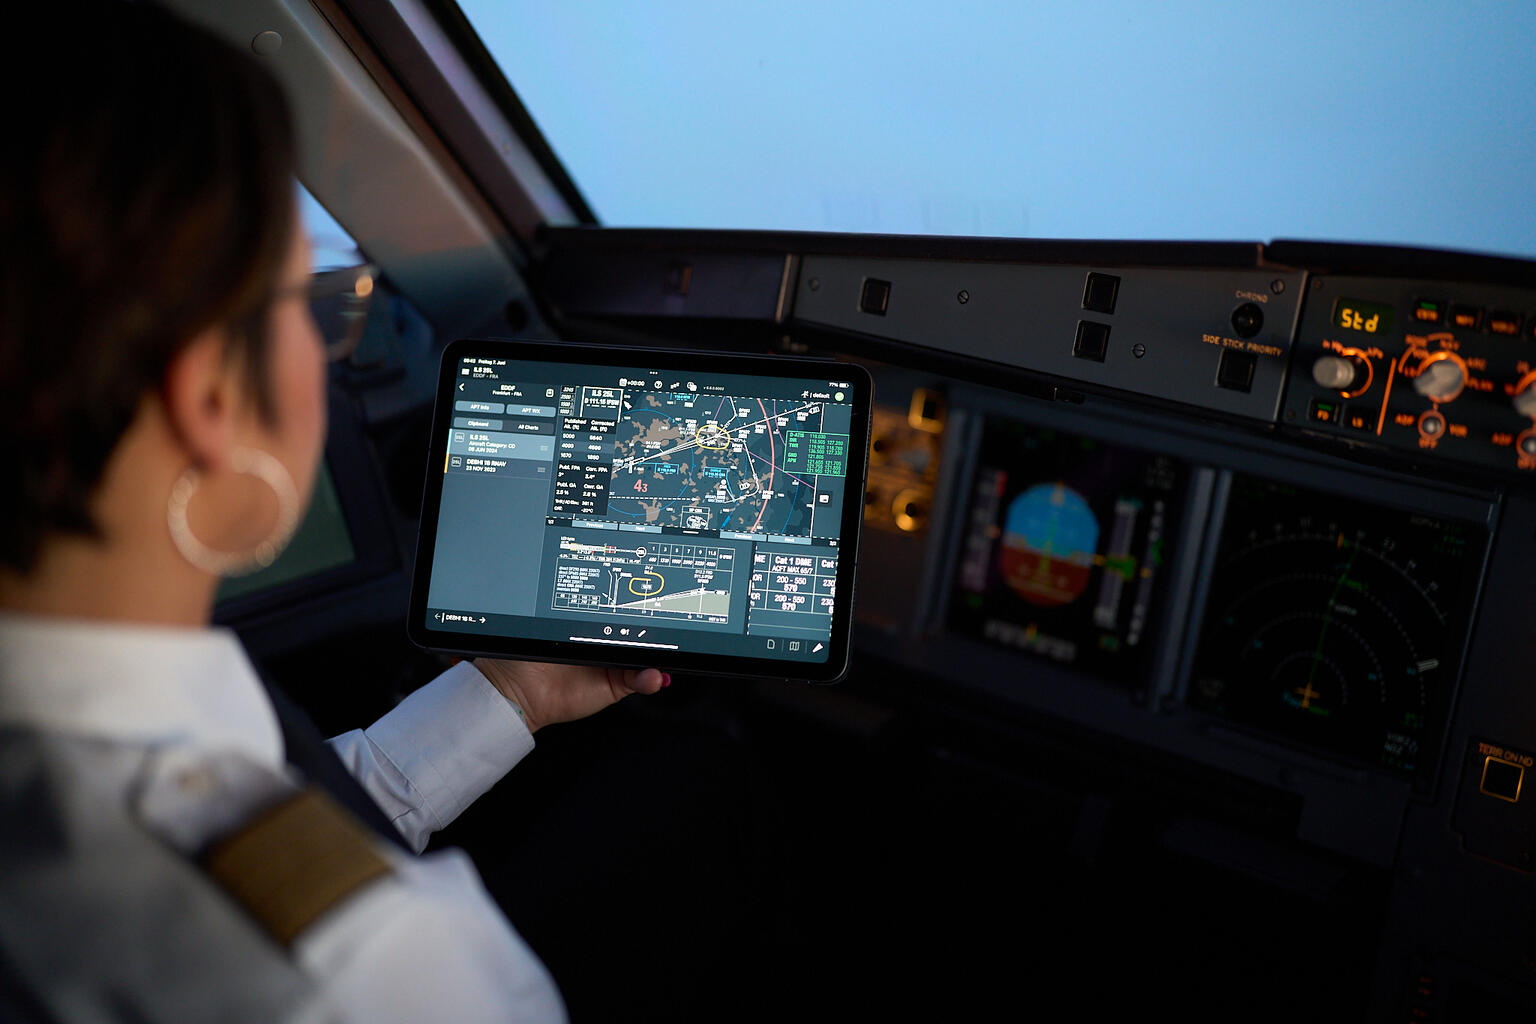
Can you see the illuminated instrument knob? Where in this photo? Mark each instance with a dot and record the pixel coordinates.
(1525, 403)
(1441, 380)
(1525, 397)
(1337, 373)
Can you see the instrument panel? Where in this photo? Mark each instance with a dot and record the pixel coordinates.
(1269, 614)
(1286, 554)
(1440, 369)
(1328, 623)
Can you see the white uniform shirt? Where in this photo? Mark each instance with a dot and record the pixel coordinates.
(425, 943)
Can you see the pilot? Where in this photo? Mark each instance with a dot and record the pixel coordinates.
(178, 844)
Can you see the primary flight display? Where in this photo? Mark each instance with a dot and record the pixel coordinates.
(1066, 547)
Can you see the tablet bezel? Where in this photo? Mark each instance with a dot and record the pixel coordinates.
(574, 652)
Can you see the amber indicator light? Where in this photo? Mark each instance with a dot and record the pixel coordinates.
(1466, 318)
(1507, 324)
(1502, 779)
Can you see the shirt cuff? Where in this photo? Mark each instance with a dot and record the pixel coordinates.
(453, 739)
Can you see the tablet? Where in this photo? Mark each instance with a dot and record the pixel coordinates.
(676, 509)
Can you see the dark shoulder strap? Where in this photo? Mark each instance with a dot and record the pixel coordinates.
(309, 753)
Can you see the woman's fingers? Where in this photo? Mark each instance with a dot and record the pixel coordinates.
(646, 681)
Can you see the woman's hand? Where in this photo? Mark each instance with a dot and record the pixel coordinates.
(563, 693)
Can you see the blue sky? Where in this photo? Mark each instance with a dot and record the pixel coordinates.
(330, 244)
(1409, 122)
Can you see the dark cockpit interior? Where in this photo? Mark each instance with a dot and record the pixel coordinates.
(1191, 672)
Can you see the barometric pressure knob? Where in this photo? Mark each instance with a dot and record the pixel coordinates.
(1335, 372)
(1441, 380)
(1525, 396)
(1525, 403)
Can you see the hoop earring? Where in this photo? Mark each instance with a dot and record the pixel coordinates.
(252, 462)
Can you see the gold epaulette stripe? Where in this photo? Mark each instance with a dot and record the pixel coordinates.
(295, 861)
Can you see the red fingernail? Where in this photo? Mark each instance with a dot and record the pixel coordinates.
(666, 679)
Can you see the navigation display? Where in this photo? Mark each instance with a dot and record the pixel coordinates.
(644, 512)
(1335, 623)
(1067, 539)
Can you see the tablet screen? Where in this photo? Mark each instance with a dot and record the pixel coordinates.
(637, 512)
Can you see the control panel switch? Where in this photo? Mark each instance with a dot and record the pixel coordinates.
(1100, 292)
(1247, 320)
(1335, 373)
(1494, 818)
(874, 296)
(1441, 380)
(1525, 401)
(1235, 371)
(1428, 311)
(1092, 341)
(1502, 779)
(1466, 318)
(1361, 418)
(1504, 323)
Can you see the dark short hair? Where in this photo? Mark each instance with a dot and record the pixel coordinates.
(146, 195)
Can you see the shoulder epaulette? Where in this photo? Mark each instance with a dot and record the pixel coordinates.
(294, 861)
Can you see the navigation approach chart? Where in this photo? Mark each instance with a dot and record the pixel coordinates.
(668, 580)
(727, 463)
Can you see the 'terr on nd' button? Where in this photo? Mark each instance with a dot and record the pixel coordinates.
(1502, 778)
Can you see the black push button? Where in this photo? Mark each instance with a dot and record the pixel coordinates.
(1247, 320)
(1358, 417)
(1502, 779)
(1100, 292)
(1504, 323)
(1235, 371)
(679, 277)
(1428, 311)
(1466, 318)
(1092, 341)
(874, 296)
(1323, 411)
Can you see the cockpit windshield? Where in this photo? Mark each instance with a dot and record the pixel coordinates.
(1194, 119)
